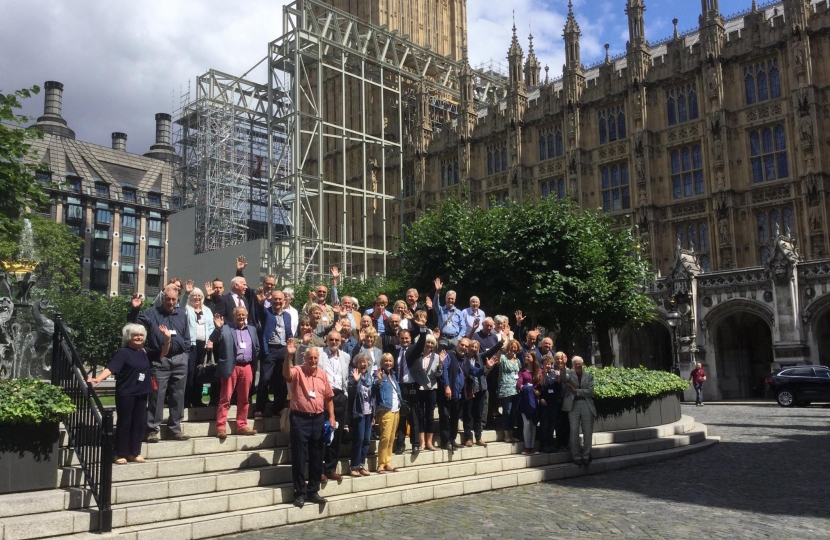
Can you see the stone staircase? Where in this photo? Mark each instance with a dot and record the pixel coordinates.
(205, 487)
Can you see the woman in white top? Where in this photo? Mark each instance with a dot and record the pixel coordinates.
(200, 323)
(425, 405)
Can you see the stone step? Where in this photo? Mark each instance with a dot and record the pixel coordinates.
(173, 517)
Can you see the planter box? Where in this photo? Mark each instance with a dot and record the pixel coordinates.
(28, 457)
(661, 411)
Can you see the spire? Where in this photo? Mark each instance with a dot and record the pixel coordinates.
(571, 26)
(547, 78)
(571, 35)
(532, 66)
(515, 48)
(676, 33)
(607, 53)
(754, 6)
(636, 24)
(514, 57)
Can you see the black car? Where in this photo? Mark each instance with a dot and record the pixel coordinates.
(799, 385)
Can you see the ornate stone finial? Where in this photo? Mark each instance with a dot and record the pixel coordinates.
(754, 6)
(547, 78)
(571, 25)
(607, 53)
(676, 33)
(530, 46)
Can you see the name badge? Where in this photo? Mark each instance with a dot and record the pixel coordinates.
(550, 390)
(242, 345)
(172, 332)
(312, 394)
(140, 377)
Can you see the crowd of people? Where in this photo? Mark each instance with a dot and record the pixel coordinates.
(378, 374)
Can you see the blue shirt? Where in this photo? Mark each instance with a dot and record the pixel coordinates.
(244, 346)
(453, 375)
(381, 326)
(450, 320)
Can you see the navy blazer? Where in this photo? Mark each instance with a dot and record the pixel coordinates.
(224, 348)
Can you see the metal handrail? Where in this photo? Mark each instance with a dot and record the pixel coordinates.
(90, 427)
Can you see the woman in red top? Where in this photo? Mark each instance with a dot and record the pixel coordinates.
(528, 385)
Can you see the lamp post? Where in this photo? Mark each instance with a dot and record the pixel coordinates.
(674, 319)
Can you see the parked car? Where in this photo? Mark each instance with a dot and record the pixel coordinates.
(799, 385)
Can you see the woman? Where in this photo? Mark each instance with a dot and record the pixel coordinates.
(368, 337)
(528, 384)
(426, 398)
(305, 327)
(200, 321)
(132, 385)
(362, 413)
(387, 406)
(508, 376)
(401, 309)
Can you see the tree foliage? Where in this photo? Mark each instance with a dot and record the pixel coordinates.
(365, 290)
(563, 266)
(18, 185)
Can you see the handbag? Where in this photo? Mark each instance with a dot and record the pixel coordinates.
(206, 371)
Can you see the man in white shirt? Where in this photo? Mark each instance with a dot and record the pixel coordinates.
(295, 317)
(335, 363)
(474, 316)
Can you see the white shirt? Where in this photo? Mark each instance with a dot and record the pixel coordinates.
(406, 376)
(336, 366)
(470, 318)
(295, 319)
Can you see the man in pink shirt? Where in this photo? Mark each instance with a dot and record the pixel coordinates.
(697, 376)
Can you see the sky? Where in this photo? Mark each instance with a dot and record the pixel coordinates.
(122, 61)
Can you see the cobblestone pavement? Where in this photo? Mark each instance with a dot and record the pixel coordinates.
(768, 478)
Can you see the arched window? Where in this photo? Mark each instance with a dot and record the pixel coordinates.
(551, 149)
(498, 161)
(603, 135)
(788, 222)
(706, 263)
(504, 159)
(559, 149)
(693, 244)
(561, 188)
(621, 125)
(763, 237)
(703, 236)
(544, 189)
(773, 221)
(693, 112)
(670, 110)
(765, 255)
(781, 156)
(489, 162)
(612, 129)
(682, 114)
(774, 81)
(749, 83)
(542, 145)
(761, 82)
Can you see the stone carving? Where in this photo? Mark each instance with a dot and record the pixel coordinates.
(698, 207)
(712, 80)
(815, 217)
(806, 124)
(723, 230)
(771, 194)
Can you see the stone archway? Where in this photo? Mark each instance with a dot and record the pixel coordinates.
(648, 346)
(743, 354)
(818, 315)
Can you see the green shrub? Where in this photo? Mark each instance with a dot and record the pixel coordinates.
(32, 402)
(617, 390)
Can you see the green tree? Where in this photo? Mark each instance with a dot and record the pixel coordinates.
(563, 266)
(18, 185)
(58, 251)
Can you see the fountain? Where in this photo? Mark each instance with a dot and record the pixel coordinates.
(25, 332)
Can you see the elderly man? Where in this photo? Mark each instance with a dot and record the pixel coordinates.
(473, 316)
(379, 313)
(288, 293)
(562, 426)
(390, 342)
(276, 333)
(476, 366)
(311, 403)
(546, 347)
(237, 345)
(335, 364)
(170, 371)
(450, 319)
(348, 343)
(268, 288)
(579, 404)
(159, 299)
(451, 393)
(346, 302)
(317, 297)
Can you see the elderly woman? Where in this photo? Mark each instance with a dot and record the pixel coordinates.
(368, 345)
(133, 384)
(200, 321)
(509, 365)
(362, 413)
(400, 308)
(426, 398)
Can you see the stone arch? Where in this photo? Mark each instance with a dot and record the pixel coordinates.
(741, 333)
(649, 346)
(817, 315)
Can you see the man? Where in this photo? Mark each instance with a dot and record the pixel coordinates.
(549, 404)
(529, 343)
(348, 344)
(320, 328)
(411, 376)
(346, 302)
(236, 345)
(450, 320)
(475, 368)
(159, 299)
(389, 339)
(169, 371)
(378, 312)
(473, 316)
(317, 297)
(236, 298)
(697, 376)
(579, 404)
(412, 302)
(311, 394)
(335, 364)
(485, 336)
(268, 288)
(451, 397)
(214, 300)
(546, 347)
(288, 293)
(249, 295)
(562, 425)
(276, 333)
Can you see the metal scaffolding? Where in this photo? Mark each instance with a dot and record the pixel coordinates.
(321, 144)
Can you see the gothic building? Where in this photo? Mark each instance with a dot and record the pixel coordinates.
(708, 145)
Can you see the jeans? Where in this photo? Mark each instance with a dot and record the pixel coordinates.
(361, 429)
(529, 429)
(473, 409)
(699, 393)
(580, 416)
(449, 419)
(508, 406)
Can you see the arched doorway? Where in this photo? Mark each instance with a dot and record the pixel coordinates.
(648, 346)
(743, 349)
(822, 333)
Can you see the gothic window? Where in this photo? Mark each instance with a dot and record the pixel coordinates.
(612, 124)
(551, 148)
(703, 237)
(544, 189)
(498, 161)
(550, 143)
(695, 236)
(554, 188)
(504, 159)
(615, 188)
(765, 255)
(489, 162)
(705, 263)
(560, 188)
(766, 221)
(687, 171)
(762, 81)
(455, 172)
(763, 234)
(443, 175)
(542, 146)
(768, 154)
(559, 149)
(681, 104)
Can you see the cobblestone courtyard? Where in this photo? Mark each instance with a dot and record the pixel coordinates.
(768, 478)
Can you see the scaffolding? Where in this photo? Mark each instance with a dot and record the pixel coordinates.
(320, 148)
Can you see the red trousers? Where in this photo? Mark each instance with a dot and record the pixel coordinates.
(241, 380)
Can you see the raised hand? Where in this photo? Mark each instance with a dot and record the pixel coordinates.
(442, 356)
(436, 333)
(428, 302)
(307, 338)
(335, 275)
(136, 301)
(362, 335)
(208, 289)
(240, 262)
(356, 374)
(311, 296)
(260, 297)
(490, 362)
(188, 286)
(218, 321)
(476, 322)
(538, 330)
(338, 326)
(519, 317)
(438, 284)
(165, 331)
(290, 346)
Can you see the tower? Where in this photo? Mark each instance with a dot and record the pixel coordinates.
(532, 66)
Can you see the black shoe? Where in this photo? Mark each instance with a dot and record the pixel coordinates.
(400, 450)
(299, 501)
(457, 446)
(316, 498)
(416, 450)
(448, 447)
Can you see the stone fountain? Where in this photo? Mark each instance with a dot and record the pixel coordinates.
(25, 331)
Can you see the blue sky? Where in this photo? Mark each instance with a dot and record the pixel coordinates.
(122, 62)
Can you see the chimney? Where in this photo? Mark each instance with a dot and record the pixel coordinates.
(119, 141)
(52, 121)
(163, 128)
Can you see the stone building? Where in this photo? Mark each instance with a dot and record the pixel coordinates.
(708, 145)
(116, 201)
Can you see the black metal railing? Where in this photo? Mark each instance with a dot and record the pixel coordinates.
(90, 427)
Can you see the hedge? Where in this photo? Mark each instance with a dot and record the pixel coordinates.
(32, 402)
(617, 390)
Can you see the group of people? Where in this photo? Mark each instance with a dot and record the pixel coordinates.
(381, 374)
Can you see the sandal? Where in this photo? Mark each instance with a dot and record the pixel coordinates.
(391, 469)
(135, 459)
(363, 471)
(354, 473)
(381, 471)
(429, 448)
(120, 460)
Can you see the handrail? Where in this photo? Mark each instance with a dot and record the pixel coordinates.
(90, 427)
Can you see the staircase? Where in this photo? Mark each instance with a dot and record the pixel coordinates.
(205, 487)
